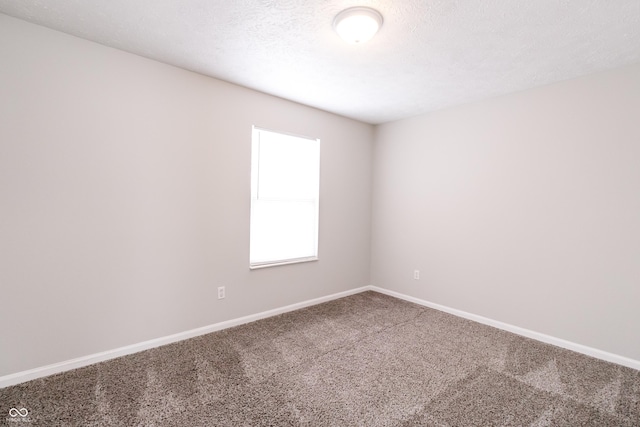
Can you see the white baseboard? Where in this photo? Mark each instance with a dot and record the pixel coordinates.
(80, 362)
(579, 348)
(44, 371)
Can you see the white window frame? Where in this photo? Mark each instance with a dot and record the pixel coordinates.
(311, 203)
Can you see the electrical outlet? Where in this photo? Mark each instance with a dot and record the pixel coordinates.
(220, 292)
(416, 274)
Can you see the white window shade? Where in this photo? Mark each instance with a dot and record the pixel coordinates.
(285, 172)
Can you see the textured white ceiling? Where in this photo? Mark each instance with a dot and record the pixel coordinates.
(429, 54)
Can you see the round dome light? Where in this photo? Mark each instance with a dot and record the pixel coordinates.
(357, 24)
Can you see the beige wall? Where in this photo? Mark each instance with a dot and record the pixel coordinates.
(524, 209)
(124, 199)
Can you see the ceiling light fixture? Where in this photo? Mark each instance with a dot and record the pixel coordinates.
(357, 24)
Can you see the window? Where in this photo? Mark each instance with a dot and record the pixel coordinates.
(285, 178)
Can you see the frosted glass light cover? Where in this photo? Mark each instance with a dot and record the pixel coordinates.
(357, 24)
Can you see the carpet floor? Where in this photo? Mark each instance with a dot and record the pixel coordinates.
(364, 360)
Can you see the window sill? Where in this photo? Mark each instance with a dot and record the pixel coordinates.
(259, 265)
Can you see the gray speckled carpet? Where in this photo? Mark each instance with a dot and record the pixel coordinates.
(364, 360)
